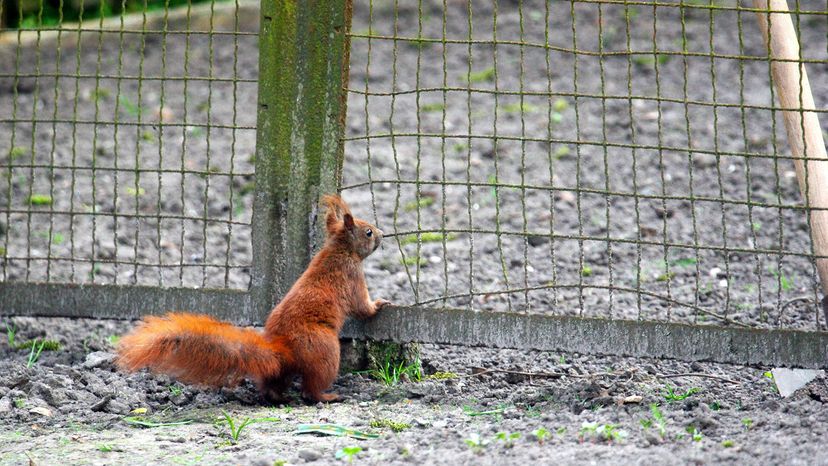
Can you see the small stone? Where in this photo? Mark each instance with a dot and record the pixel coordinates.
(704, 160)
(705, 422)
(417, 422)
(116, 407)
(632, 399)
(97, 359)
(651, 437)
(43, 411)
(424, 389)
(662, 212)
(566, 196)
(603, 401)
(309, 455)
(537, 240)
(53, 396)
(180, 399)
(5, 405)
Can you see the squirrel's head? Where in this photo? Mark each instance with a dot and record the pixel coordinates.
(359, 236)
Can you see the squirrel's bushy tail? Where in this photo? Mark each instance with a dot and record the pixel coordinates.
(198, 349)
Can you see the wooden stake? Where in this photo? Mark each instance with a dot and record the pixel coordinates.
(802, 126)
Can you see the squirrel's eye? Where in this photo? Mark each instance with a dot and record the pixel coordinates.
(369, 232)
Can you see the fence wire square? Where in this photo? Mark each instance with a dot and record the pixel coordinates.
(614, 159)
(125, 146)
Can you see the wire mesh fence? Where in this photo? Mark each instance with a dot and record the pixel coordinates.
(126, 150)
(617, 159)
(599, 158)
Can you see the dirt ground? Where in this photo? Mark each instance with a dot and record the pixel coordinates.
(73, 407)
(611, 227)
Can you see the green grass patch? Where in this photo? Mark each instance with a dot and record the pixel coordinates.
(132, 191)
(666, 276)
(334, 430)
(683, 262)
(650, 60)
(606, 432)
(149, 136)
(561, 152)
(673, 394)
(347, 453)
(146, 422)
(48, 14)
(128, 106)
(432, 108)
(16, 152)
(427, 237)
(415, 205)
(235, 428)
(412, 261)
(482, 76)
(441, 376)
(519, 107)
(785, 283)
(100, 94)
(469, 411)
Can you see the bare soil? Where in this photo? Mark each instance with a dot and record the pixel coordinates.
(734, 412)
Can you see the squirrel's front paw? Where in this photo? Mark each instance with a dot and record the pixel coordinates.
(380, 303)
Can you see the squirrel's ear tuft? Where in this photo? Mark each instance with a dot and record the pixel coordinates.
(349, 221)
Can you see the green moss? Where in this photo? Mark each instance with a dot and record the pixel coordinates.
(389, 424)
(442, 376)
(40, 199)
(48, 345)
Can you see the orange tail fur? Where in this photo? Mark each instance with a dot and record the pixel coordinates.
(198, 349)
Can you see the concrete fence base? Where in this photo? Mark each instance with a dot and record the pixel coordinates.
(597, 336)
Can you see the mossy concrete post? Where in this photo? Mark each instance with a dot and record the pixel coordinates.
(303, 72)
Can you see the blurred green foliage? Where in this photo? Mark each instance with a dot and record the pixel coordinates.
(34, 14)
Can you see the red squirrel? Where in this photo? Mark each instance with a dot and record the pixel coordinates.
(301, 335)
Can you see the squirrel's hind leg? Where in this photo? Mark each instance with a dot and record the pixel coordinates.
(273, 388)
(321, 367)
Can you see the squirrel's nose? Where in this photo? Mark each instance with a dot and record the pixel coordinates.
(380, 232)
